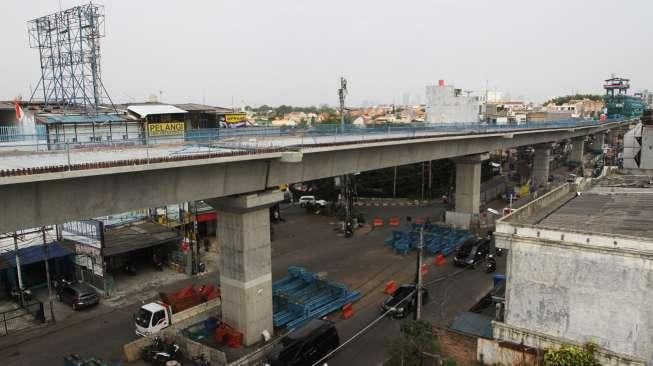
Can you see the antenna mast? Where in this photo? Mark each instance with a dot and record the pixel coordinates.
(342, 93)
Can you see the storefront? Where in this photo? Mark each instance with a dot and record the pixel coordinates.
(32, 265)
(105, 249)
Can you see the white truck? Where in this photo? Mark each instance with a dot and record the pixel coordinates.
(174, 307)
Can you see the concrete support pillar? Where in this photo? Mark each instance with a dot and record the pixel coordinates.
(597, 145)
(541, 163)
(468, 190)
(577, 146)
(245, 262)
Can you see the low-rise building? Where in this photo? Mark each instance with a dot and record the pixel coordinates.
(447, 104)
(578, 270)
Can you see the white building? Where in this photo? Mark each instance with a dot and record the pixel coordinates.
(446, 104)
(579, 270)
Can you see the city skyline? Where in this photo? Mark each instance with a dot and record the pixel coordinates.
(288, 52)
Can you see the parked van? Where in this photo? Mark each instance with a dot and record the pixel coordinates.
(306, 345)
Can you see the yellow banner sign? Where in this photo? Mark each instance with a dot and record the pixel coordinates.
(235, 117)
(166, 129)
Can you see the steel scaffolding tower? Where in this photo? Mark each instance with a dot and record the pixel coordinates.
(69, 49)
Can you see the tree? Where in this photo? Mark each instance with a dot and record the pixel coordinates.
(415, 344)
(568, 355)
(567, 98)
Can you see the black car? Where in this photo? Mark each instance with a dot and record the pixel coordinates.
(472, 252)
(78, 295)
(305, 345)
(401, 308)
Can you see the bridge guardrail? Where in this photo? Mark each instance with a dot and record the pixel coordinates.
(87, 151)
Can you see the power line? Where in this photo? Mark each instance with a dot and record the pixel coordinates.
(373, 322)
(360, 332)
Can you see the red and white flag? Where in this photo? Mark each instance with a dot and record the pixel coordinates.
(19, 110)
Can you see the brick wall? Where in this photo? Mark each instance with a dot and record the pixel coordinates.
(457, 346)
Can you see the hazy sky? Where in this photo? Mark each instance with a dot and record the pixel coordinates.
(293, 52)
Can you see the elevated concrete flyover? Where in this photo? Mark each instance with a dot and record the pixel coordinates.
(34, 200)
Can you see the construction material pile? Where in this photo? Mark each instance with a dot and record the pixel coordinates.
(189, 296)
(437, 239)
(304, 295)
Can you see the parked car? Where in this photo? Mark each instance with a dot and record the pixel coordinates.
(305, 345)
(571, 178)
(305, 200)
(78, 295)
(401, 308)
(472, 252)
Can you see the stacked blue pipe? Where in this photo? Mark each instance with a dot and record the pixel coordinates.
(437, 239)
(304, 295)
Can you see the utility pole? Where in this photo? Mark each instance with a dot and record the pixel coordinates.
(423, 181)
(345, 189)
(418, 285)
(20, 275)
(430, 180)
(394, 184)
(47, 274)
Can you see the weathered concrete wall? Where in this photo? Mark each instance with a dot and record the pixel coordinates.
(526, 212)
(579, 294)
(492, 352)
(506, 333)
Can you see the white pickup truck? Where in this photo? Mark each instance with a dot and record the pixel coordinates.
(153, 317)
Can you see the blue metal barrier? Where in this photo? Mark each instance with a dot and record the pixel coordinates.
(437, 239)
(304, 295)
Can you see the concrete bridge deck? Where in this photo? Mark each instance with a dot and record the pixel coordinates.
(36, 197)
(22, 155)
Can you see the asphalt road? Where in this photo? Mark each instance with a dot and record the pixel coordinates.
(363, 263)
(448, 298)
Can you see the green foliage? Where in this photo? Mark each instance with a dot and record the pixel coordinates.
(565, 99)
(449, 362)
(283, 109)
(416, 339)
(569, 355)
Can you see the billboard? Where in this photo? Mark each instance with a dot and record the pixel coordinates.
(166, 128)
(235, 117)
(88, 232)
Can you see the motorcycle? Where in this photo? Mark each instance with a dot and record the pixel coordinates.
(130, 269)
(201, 360)
(490, 264)
(159, 353)
(499, 252)
(349, 229)
(158, 263)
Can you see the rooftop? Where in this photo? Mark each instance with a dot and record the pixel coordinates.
(616, 212)
(192, 107)
(144, 110)
(615, 205)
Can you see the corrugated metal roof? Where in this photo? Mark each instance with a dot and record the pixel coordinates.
(146, 110)
(137, 236)
(202, 107)
(82, 118)
(7, 105)
(473, 324)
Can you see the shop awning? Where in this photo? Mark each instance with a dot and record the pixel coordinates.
(32, 254)
(137, 236)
